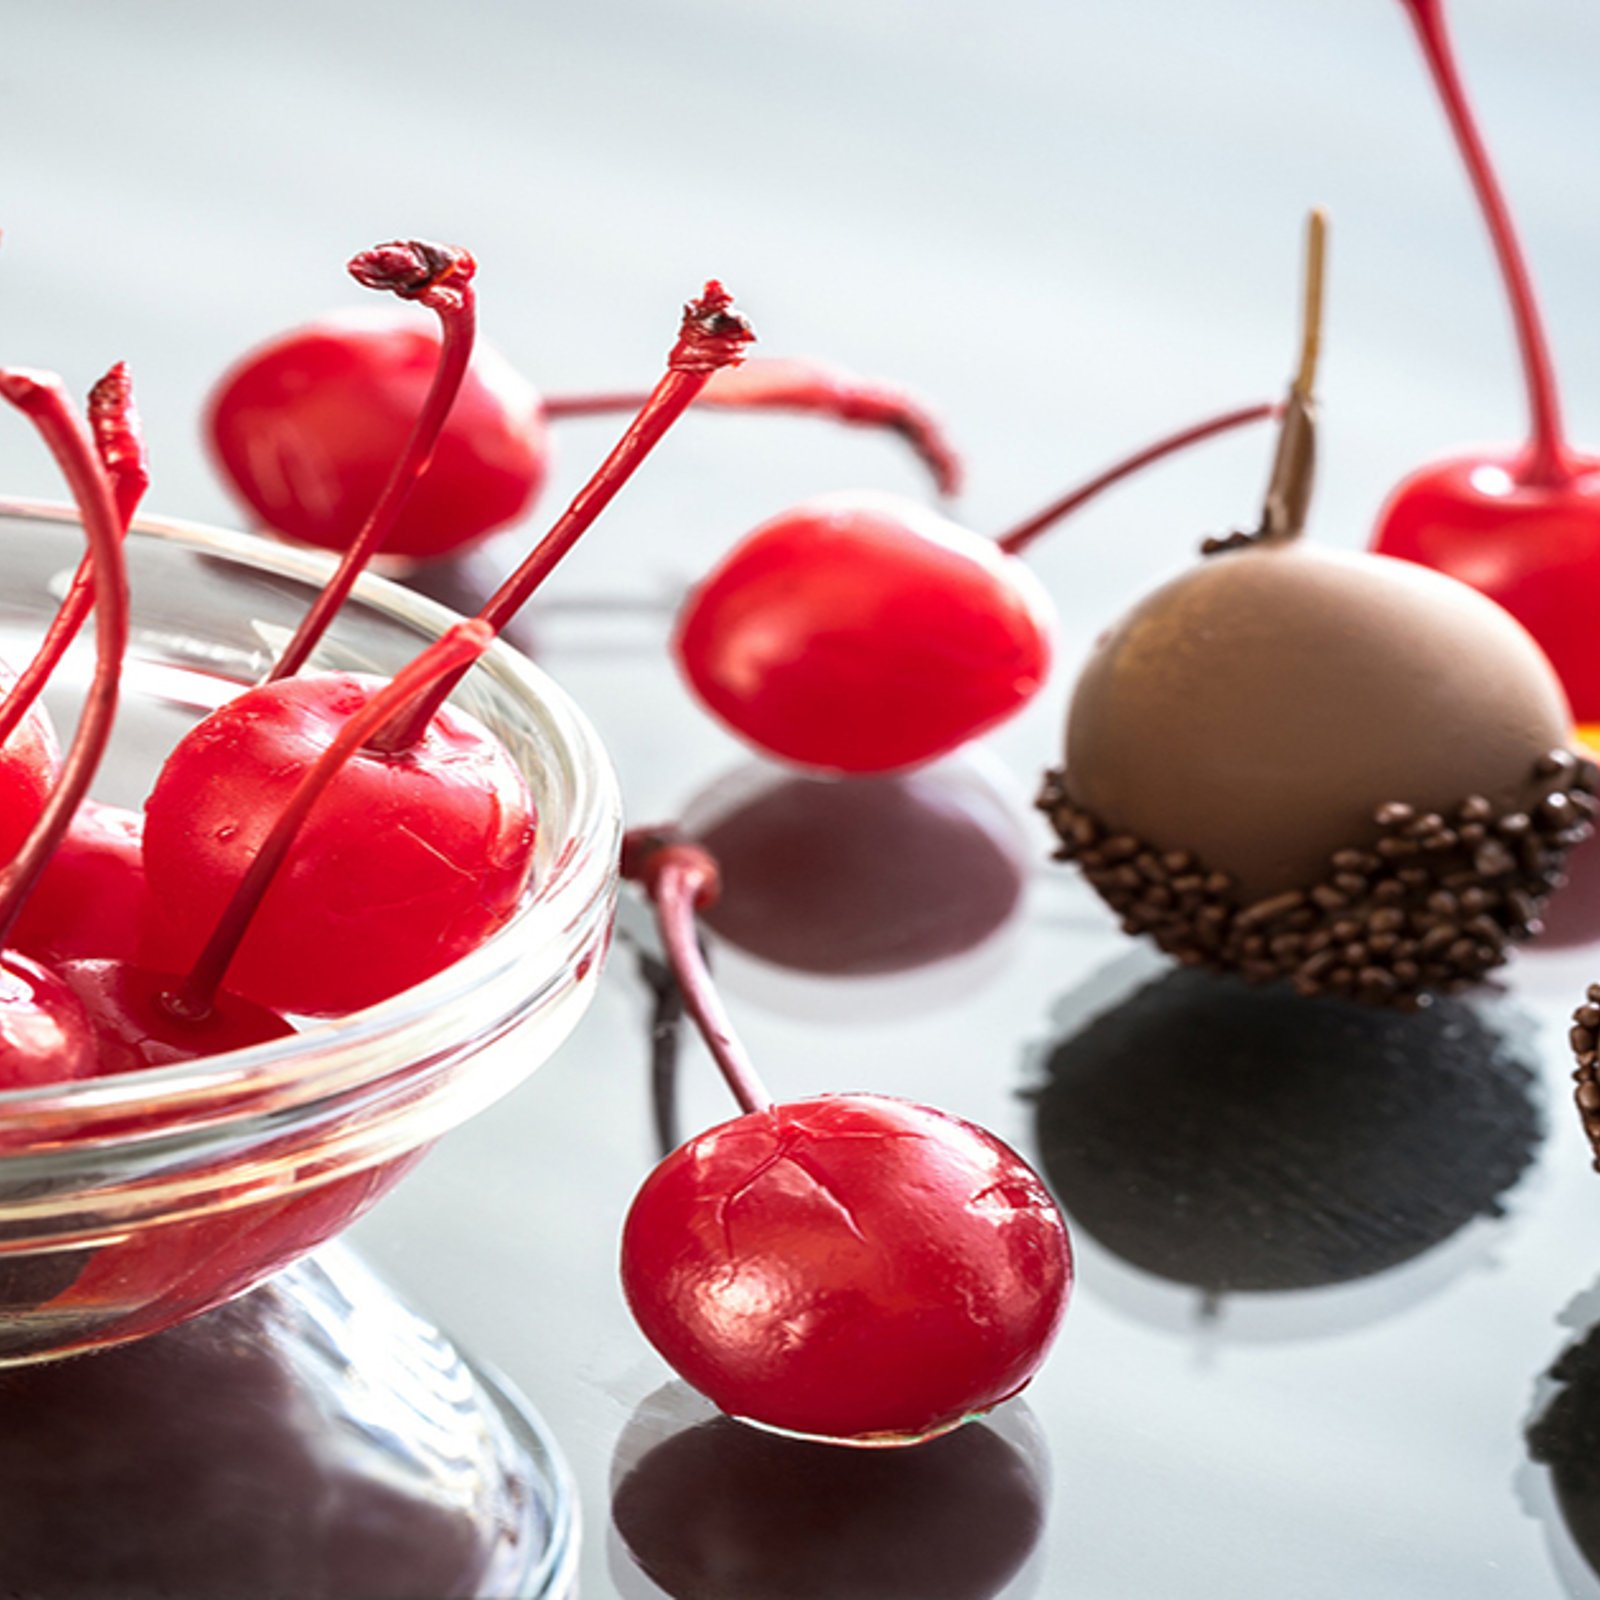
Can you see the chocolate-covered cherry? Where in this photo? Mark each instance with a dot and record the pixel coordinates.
(422, 843)
(864, 633)
(853, 1267)
(1522, 523)
(306, 428)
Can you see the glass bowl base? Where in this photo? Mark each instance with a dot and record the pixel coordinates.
(314, 1438)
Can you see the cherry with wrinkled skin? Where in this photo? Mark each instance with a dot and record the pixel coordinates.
(1520, 523)
(408, 862)
(852, 1267)
(863, 633)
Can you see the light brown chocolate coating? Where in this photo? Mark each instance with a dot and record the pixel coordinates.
(1256, 710)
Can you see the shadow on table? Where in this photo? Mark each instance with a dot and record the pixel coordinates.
(1563, 1440)
(705, 1508)
(1246, 1140)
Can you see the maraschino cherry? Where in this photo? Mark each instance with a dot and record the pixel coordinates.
(306, 427)
(423, 844)
(864, 633)
(854, 1267)
(1520, 523)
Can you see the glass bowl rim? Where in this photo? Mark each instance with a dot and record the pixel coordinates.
(580, 877)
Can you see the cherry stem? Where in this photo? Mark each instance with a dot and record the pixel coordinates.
(440, 278)
(713, 335)
(805, 387)
(43, 399)
(1023, 535)
(451, 654)
(1547, 461)
(680, 880)
(119, 442)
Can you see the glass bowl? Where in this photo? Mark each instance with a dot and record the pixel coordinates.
(132, 1202)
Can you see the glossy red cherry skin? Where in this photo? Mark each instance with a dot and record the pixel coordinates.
(852, 1267)
(406, 863)
(1534, 549)
(863, 633)
(29, 763)
(45, 1033)
(92, 899)
(135, 1027)
(307, 427)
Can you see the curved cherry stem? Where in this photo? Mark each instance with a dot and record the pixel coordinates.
(449, 655)
(805, 388)
(119, 442)
(1024, 534)
(681, 880)
(440, 278)
(1547, 460)
(42, 398)
(712, 336)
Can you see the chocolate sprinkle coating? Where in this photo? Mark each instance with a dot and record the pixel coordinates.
(1585, 1037)
(1427, 905)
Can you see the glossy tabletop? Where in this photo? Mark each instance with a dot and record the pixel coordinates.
(1327, 1259)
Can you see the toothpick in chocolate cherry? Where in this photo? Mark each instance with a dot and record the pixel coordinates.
(853, 1267)
(864, 633)
(1520, 523)
(423, 845)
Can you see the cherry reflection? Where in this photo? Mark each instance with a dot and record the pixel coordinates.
(1242, 1139)
(865, 876)
(722, 1511)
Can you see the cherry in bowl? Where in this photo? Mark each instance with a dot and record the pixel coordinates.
(132, 1202)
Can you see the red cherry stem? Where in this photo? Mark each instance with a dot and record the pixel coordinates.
(713, 335)
(785, 384)
(1023, 535)
(119, 442)
(1547, 461)
(680, 880)
(440, 278)
(42, 398)
(449, 655)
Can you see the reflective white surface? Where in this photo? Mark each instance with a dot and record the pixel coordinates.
(1072, 226)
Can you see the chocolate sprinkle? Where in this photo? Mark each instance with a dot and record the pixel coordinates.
(1585, 1037)
(1426, 907)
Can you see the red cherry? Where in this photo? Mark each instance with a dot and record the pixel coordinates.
(307, 427)
(30, 764)
(407, 862)
(92, 900)
(136, 1024)
(1522, 525)
(45, 1033)
(865, 633)
(852, 1267)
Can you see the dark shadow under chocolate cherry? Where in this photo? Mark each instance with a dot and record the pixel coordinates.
(860, 877)
(1565, 1438)
(194, 1463)
(1238, 1138)
(723, 1511)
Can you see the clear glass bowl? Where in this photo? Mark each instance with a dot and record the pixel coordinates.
(130, 1203)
